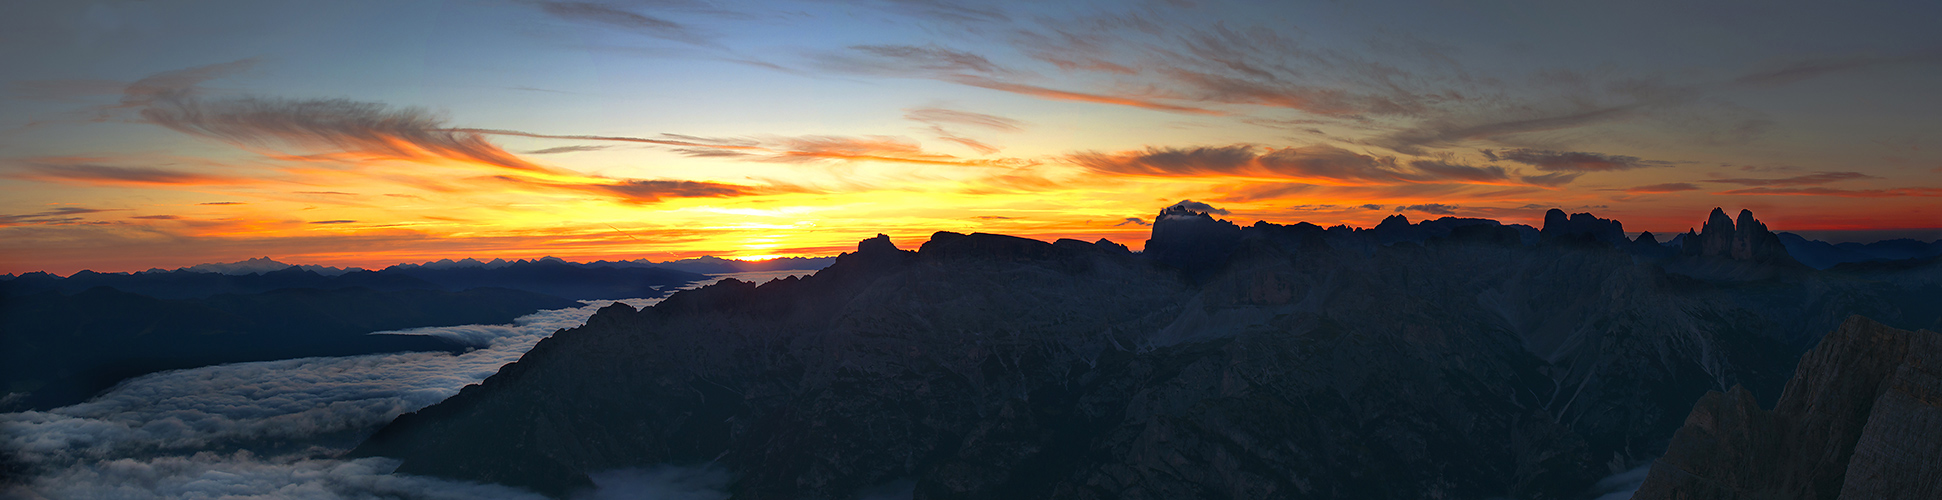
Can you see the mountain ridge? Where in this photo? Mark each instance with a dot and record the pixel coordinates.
(991, 366)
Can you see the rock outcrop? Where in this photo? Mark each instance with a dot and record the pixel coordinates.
(1747, 240)
(1861, 419)
(1582, 227)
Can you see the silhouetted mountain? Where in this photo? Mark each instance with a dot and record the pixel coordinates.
(259, 265)
(1194, 241)
(550, 277)
(1747, 240)
(1266, 361)
(60, 349)
(1823, 255)
(717, 265)
(182, 284)
(1582, 227)
(1861, 419)
(553, 277)
(699, 265)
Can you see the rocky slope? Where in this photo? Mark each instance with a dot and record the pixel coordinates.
(1449, 360)
(1862, 418)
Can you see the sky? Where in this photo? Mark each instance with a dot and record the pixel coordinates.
(146, 134)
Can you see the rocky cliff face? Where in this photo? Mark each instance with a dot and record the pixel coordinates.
(1862, 418)
(1747, 240)
(1279, 362)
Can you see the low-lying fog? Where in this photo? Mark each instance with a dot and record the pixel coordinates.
(273, 429)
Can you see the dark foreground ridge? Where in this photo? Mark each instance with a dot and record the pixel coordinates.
(1861, 419)
(1455, 358)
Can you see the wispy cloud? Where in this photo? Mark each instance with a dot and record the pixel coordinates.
(974, 144)
(360, 128)
(1065, 95)
(1572, 161)
(798, 149)
(1430, 208)
(1671, 187)
(1794, 71)
(60, 215)
(1850, 193)
(1553, 179)
(948, 11)
(566, 149)
(611, 16)
(967, 68)
(1799, 180)
(84, 172)
(898, 60)
(941, 116)
(645, 191)
(1317, 163)
(1453, 171)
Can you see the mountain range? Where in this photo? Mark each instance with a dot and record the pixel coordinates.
(547, 276)
(64, 339)
(1453, 358)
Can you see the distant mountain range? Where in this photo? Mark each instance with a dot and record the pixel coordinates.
(63, 339)
(700, 265)
(59, 349)
(1822, 255)
(546, 276)
(1452, 358)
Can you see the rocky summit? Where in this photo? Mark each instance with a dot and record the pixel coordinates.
(1452, 359)
(1861, 419)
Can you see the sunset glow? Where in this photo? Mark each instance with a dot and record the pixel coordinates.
(134, 136)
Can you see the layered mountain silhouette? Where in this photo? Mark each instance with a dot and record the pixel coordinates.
(1823, 255)
(59, 349)
(1861, 419)
(546, 276)
(1455, 358)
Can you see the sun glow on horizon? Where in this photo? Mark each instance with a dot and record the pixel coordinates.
(1045, 124)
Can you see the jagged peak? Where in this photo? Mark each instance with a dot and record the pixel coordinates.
(1718, 221)
(879, 244)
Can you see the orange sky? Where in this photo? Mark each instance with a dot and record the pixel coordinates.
(139, 136)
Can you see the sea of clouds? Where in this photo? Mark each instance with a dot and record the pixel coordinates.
(274, 429)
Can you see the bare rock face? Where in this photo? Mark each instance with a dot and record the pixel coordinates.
(1862, 418)
(1745, 240)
